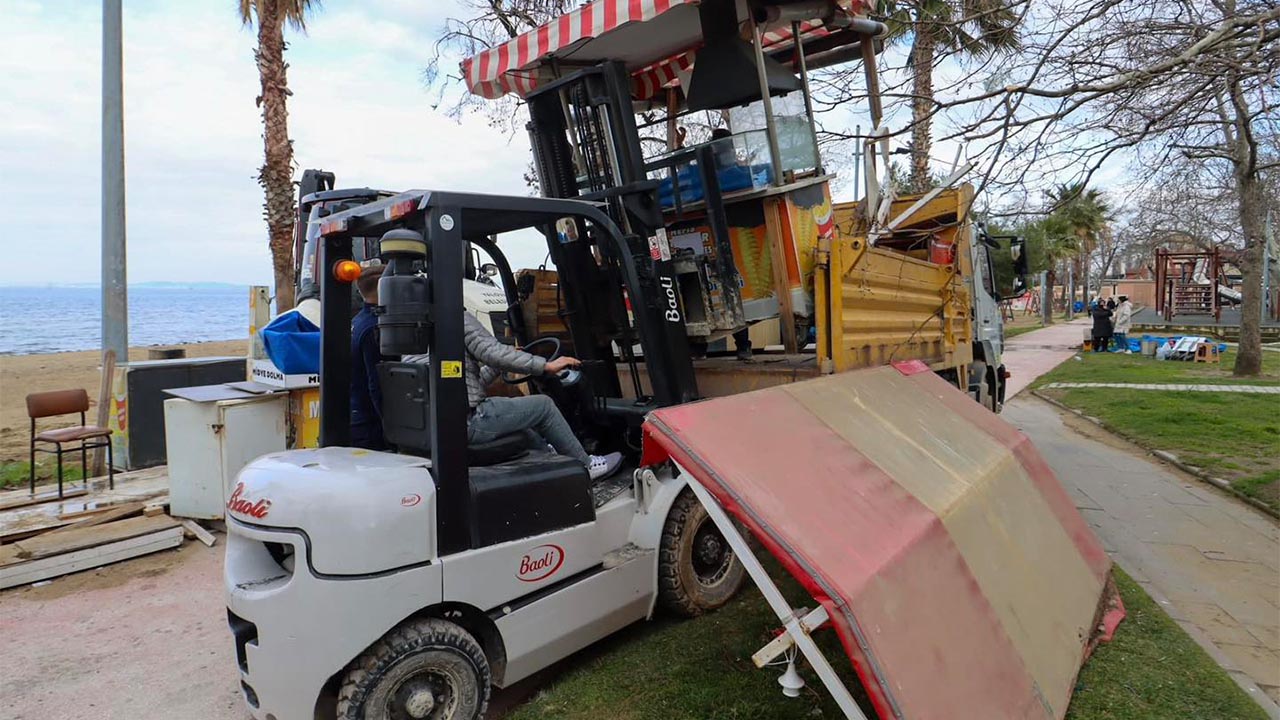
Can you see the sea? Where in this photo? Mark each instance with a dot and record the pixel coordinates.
(62, 318)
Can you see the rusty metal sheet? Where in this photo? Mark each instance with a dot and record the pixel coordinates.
(960, 578)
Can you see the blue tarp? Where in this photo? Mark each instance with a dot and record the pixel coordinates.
(293, 343)
(737, 177)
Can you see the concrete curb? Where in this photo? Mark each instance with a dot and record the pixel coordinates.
(1165, 456)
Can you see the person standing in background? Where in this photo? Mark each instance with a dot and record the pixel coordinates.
(1102, 327)
(366, 353)
(1123, 323)
(1111, 305)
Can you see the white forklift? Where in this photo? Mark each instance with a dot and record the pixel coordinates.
(402, 585)
(392, 585)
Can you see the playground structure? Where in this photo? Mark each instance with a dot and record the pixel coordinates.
(1192, 283)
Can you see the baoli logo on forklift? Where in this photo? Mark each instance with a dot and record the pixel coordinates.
(238, 504)
(673, 302)
(540, 563)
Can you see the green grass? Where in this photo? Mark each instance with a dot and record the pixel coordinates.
(1115, 367)
(15, 474)
(701, 669)
(1234, 436)
(1012, 331)
(669, 669)
(1152, 670)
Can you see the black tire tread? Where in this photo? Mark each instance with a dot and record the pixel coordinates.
(410, 636)
(673, 594)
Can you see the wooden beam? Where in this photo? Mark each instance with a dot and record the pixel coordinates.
(56, 543)
(86, 558)
(781, 284)
(24, 499)
(199, 533)
(97, 464)
(110, 514)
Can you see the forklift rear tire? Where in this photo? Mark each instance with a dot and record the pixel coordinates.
(697, 570)
(426, 668)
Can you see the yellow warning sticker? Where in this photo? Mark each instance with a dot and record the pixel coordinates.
(450, 368)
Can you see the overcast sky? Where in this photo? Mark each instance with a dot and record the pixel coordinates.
(193, 140)
(193, 134)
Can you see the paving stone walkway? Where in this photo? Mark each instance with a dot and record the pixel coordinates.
(1211, 561)
(1172, 387)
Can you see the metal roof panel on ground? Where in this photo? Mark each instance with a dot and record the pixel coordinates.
(959, 576)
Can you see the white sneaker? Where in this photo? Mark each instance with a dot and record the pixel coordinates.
(602, 466)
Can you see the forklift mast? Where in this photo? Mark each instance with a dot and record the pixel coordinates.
(425, 237)
(585, 122)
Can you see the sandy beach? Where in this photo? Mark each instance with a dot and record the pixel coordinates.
(23, 374)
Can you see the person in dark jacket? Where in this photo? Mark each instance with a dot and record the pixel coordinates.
(1102, 327)
(366, 353)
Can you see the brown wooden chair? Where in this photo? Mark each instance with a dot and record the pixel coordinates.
(90, 437)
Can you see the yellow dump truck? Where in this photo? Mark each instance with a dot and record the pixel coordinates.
(924, 292)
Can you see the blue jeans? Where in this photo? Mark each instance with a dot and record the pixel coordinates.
(1120, 342)
(535, 415)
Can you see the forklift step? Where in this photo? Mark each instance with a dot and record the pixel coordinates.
(624, 555)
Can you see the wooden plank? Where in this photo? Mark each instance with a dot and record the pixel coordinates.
(781, 284)
(200, 533)
(98, 463)
(96, 510)
(117, 512)
(26, 499)
(87, 558)
(15, 535)
(55, 543)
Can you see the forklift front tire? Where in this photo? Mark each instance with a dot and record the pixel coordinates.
(697, 570)
(425, 668)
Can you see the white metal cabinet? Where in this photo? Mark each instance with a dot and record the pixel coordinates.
(209, 442)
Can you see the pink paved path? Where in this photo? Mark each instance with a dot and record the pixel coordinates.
(1030, 355)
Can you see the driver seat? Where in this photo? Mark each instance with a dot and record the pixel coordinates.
(406, 417)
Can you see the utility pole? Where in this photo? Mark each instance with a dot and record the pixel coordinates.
(1071, 292)
(115, 300)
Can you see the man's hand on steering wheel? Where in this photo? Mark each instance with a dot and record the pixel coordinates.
(560, 364)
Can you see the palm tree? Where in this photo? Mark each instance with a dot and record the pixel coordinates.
(276, 174)
(969, 28)
(1085, 213)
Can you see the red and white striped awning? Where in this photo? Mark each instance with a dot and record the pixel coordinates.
(656, 39)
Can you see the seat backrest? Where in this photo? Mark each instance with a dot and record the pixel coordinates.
(57, 402)
(406, 406)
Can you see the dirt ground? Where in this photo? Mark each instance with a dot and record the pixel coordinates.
(145, 638)
(23, 374)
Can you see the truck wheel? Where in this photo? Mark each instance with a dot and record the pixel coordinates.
(421, 669)
(697, 570)
(978, 380)
(995, 382)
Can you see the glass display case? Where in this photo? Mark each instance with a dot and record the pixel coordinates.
(742, 162)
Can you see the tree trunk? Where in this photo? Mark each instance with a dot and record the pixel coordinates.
(276, 175)
(1249, 358)
(921, 107)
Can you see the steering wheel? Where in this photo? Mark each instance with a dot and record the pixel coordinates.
(535, 348)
